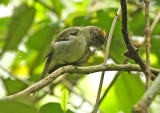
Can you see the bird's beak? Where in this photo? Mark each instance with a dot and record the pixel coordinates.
(101, 47)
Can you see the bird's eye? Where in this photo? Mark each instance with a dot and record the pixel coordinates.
(96, 37)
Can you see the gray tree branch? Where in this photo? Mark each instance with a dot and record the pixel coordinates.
(73, 69)
(146, 100)
(132, 51)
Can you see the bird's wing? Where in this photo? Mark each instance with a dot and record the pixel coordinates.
(49, 51)
(45, 70)
(64, 35)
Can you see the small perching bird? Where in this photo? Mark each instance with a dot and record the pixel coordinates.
(72, 47)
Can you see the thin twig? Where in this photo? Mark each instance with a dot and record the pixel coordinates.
(111, 84)
(154, 23)
(106, 57)
(99, 93)
(138, 6)
(147, 38)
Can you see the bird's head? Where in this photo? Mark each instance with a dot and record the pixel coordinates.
(98, 36)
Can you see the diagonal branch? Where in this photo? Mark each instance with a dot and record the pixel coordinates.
(73, 69)
(131, 52)
(154, 23)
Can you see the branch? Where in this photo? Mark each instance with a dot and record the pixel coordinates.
(131, 52)
(147, 37)
(139, 7)
(148, 97)
(106, 57)
(73, 69)
(154, 23)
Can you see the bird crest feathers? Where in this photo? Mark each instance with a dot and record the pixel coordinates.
(103, 32)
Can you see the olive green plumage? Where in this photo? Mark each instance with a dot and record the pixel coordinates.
(72, 47)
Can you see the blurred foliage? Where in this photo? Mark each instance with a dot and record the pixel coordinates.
(5, 2)
(14, 86)
(17, 106)
(32, 26)
(64, 99)
(121, 101)
(53, 108)
(17, 22)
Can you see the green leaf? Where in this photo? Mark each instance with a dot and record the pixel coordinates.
(156, 3)
(156, 30)
(117, 49)
(95, 60)
(52, 108)
(5, 2)
(3, 24)
(41, 37)
(125, 92)
(14, 85)
(19, 25)
(40, 42)
(136, 25)
(16, 107)
(155, 50)
(64, 99)
(81, 5)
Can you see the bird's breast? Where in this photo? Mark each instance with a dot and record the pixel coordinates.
(70, 51)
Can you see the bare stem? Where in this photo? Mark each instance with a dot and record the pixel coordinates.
(147, 37)
(105, 59)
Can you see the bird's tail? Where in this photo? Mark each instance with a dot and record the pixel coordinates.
(45, 70)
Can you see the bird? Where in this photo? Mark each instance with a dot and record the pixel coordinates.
(72, 47)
